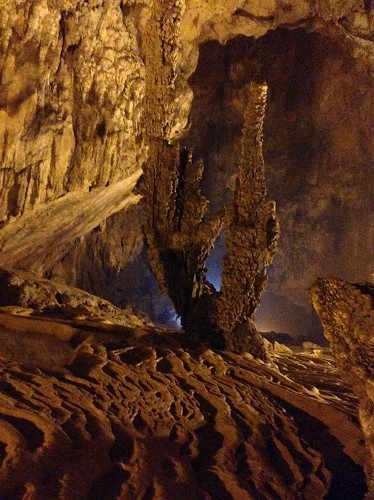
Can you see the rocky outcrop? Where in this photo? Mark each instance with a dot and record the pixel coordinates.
(108, 261)
(43, 237)
(41, 296)
(72, 86)
(347, 314)
(95, 407)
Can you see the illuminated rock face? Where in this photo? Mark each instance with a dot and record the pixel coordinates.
(72, 102)
(347, 314)
(72, 86)
(86, 409)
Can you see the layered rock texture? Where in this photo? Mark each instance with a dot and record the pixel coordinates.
(347, 314)
(97, 404)
(73, 86)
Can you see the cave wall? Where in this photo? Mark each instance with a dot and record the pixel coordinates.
(72, 83)
(96, 261)
(347, 314)
(72, 118)
(317, 146)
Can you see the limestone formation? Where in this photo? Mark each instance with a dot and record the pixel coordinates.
(319, 163)
(179, 236)
(173, 207)
(347, 314)
(252, 231)
(41, 296)
(73, 85)
(96, 402)
(43, 236)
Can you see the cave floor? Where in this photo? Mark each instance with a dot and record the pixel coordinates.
(92, 409)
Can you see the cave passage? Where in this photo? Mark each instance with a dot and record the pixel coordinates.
(318, 162)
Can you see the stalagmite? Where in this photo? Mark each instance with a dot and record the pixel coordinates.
(251, 233)
(180, 237)
(97, 400)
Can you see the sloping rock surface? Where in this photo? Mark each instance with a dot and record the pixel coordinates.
(35, 296)
(93, 409)
(346, 311)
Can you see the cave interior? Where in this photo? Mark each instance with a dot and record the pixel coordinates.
(186, 249)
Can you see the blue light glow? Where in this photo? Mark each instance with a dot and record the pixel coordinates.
(214, 263)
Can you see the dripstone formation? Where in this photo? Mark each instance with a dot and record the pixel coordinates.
(251, 233)
(180, 236)
(97, 402)
(178, 233)
(74, 80)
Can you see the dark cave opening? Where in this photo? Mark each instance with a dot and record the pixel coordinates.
(214, 262)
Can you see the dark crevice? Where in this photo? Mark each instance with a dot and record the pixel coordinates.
(252, 17)
(210, 441)
(31, 433)
(348, 479)
(123, 448)
(213, 485)
(109, 485)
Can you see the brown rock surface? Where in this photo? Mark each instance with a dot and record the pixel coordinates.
(347, 314)
(108, 261)
(317, 149)
(44, 296)
(93, 401)
(72, 83)
(40, 238)
(251, 232)
(112, 411)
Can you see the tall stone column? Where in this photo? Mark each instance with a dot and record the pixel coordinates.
(251, 231)
(178, 234)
